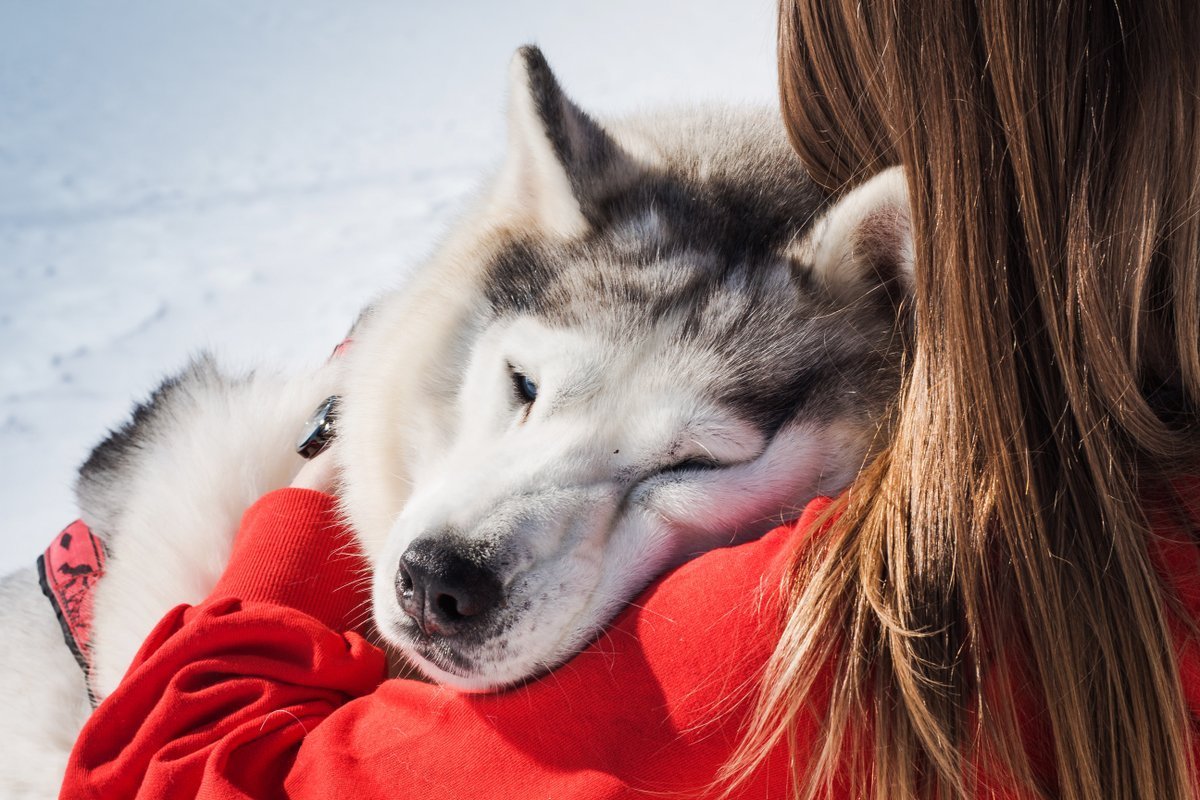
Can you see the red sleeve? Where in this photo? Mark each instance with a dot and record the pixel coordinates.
(258, 693)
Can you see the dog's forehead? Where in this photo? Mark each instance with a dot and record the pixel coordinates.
(745, 336)
(649, 284)
(664, 241)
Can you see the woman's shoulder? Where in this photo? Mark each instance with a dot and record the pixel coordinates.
(655, 703)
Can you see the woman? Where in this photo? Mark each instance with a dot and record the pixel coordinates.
(1003, 605)
(1003, 545)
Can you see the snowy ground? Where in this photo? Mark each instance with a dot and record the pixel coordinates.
(242, 176)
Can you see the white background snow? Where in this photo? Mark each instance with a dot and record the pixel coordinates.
(243, 175)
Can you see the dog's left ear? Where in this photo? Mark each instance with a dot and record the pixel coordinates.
(561, 164)
(864, 240)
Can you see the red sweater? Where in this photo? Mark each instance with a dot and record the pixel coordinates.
(259, 692)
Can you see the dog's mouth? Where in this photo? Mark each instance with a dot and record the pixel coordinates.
(468, 670)
(481, 667)
(441, 653)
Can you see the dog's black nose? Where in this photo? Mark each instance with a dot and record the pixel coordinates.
(443, 588)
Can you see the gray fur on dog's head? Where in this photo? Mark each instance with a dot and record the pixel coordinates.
(712, 341)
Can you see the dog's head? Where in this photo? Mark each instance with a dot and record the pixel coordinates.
(651, 339)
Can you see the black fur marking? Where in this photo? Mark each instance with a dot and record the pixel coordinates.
(580, 144)
(109, 455)
(102, 483)
(770, 407)
(518, 281)
(728, 224)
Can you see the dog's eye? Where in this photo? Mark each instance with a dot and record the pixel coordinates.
(693, 465)
(527, 390)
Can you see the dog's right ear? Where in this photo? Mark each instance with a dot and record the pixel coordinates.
(864, 240)
(561, 163)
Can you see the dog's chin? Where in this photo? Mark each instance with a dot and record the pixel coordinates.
(443, 662)
(442, 671)
(462, 681)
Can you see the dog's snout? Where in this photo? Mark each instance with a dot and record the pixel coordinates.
(443, 589)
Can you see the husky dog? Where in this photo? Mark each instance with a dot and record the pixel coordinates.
(649, 338)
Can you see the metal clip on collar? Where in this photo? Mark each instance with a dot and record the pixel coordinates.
(319, 430)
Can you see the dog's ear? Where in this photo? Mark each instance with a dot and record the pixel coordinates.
(865, 240)
(561, 163)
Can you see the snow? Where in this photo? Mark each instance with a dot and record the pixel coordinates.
(242, 177)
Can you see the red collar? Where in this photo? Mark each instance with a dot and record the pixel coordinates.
(68, 572)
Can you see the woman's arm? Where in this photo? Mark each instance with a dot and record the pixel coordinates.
(258, 693)
(221, 695)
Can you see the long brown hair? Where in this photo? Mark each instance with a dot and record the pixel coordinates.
(988, 594)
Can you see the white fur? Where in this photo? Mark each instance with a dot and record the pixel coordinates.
(227, 449)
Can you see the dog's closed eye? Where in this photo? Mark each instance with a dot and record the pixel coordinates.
(693, 464)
